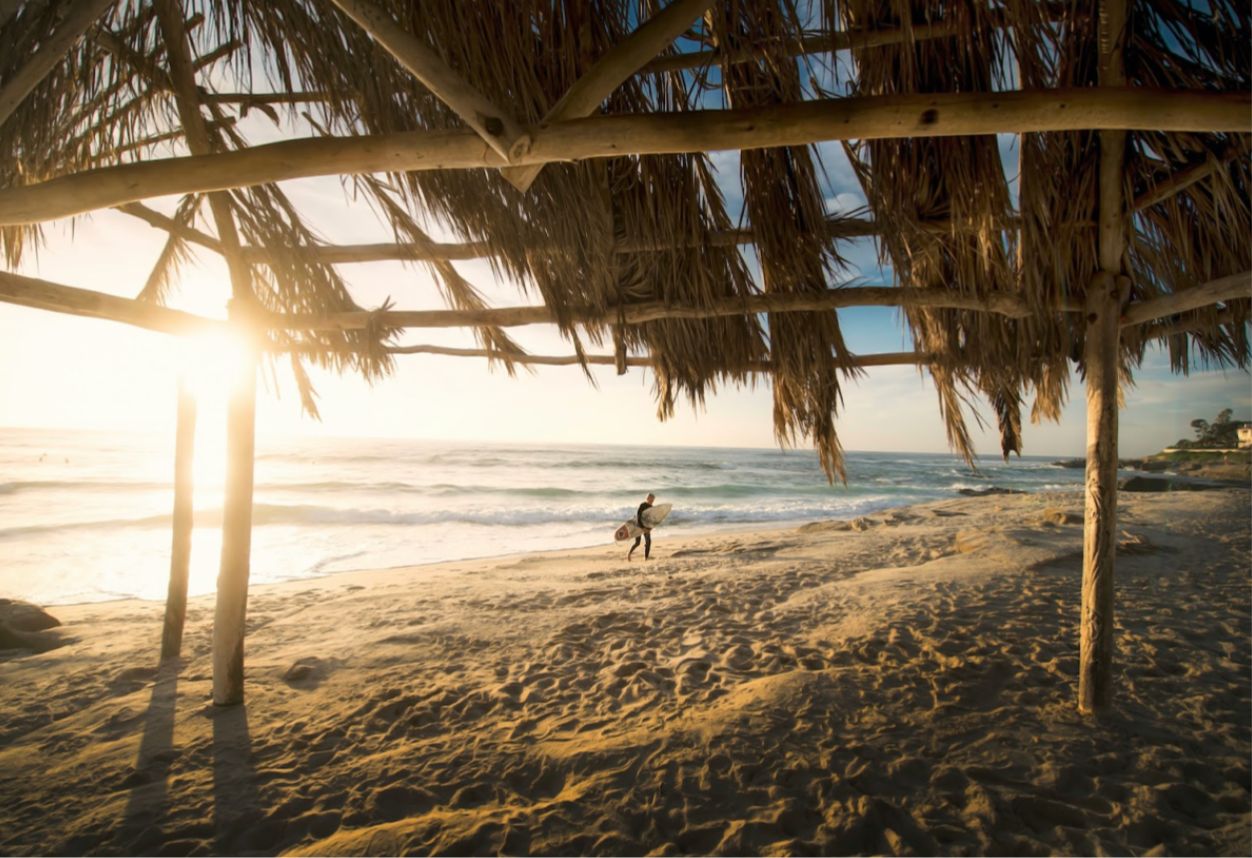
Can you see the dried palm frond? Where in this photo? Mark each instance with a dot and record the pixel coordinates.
(174, 254)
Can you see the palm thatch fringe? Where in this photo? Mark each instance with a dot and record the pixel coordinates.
(611, 70)
(81, 15)
(495, 126)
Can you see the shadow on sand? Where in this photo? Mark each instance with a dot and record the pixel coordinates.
(237, 813)
(148, 800)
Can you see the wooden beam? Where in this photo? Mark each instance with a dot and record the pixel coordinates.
(1101, 352)
(1215, 291)
(496, 127)
(885, 359)
(44, 295)
(618, 136)
(612, 69)
(78, 18)
(265, 98)
(637, 314)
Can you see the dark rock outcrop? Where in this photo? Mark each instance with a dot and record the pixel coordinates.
(25, 617)
(1167, 484)
(25, 626)
(993, 490)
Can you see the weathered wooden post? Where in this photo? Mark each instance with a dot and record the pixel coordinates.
(1101, 354)
(232, 582)
(180, 548)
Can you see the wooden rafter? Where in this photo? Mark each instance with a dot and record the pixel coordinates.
(840, 41)
(1194, 327)
(59, 298)
(80, 16)
(1213, 292)
(617, 136)
(44, 295)
(496, 127)
(250, 99)
(217, 53)
(1180, 181)
(859, 361)
(637, 314)
(345, 254)
(609, 72)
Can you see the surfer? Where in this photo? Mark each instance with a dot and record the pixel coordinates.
(647, 531)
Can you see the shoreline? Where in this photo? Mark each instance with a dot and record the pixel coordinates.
(732, 528)
(904, 683)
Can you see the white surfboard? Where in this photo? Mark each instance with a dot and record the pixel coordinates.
(651, 517)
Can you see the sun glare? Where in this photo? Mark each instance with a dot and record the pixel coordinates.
(215, 364)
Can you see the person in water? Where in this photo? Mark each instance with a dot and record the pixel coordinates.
(647, 531)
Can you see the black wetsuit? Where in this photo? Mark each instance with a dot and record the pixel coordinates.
(646, 536)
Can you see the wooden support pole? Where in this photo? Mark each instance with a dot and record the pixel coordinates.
(871, 117)
(612, 69)
(180, 547)
(81, 15)
(1101, 353)
(232, 583)
(496, 127)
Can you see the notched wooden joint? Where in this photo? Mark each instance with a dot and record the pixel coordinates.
(493, 125)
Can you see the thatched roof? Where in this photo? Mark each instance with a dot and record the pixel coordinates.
(948, 216)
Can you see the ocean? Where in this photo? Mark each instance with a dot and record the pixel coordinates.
(85, 516)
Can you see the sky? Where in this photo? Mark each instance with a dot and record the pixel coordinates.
(63, 371)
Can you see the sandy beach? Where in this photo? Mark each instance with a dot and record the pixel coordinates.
(901, 683)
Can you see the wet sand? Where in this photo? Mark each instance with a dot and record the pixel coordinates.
(904, 683)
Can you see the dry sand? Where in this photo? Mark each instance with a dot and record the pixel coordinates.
(901, 684)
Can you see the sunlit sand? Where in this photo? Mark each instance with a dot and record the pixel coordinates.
(902, 683)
